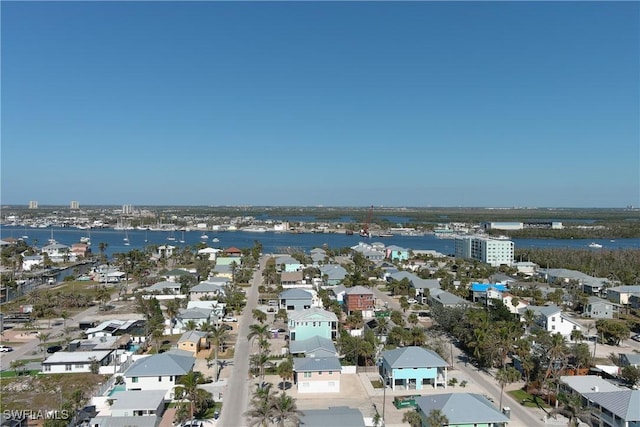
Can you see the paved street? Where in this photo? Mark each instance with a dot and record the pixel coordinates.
(236, 398)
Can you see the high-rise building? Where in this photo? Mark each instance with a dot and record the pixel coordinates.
(33, 204)
(495, 252)
(75, 204)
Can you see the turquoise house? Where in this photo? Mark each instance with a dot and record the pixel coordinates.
(412, 368)
(397, 253)
(288, 264)
(313, 322)
(461, 409)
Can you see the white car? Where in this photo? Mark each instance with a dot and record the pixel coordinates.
(5, 348)
(411, 301)
(229, 319)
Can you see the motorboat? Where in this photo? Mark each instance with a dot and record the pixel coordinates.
(204, 236)
(595, 245)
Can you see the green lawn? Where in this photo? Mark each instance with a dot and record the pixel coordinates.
(12, 374)
(521, 395)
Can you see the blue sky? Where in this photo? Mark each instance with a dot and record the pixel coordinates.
(322, 103)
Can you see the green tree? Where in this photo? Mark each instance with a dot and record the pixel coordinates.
(412, 418)
(188, 389)
(218, 335)
(506, 376)
(436, 418)
(259, 315)
(285, 371)
(285, 409)
(631, 375)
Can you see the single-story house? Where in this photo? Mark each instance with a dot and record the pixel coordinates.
(207, 290)
(138, 403)
(164, 287)
(73, 362)
(193, 341)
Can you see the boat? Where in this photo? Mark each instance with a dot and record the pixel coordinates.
(204, 236)
(182, 238)
(126, 238)
(385, 235)
(595, 245)
(255, 229)
(215, 240)
(171, 236)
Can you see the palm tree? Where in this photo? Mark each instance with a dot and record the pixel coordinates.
(188, 389)
(218, 335)
(285, 409)
(259, 332)
(173, 308)
(259, 315)
(43, 337)
(413, 419)
(261, 411)
(191, 325)
(437, 419)
(506, 376)
(285, 370)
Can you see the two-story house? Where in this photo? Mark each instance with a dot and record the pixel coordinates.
(312, 322)
(553, 320)
(295, 299)
(411, 368)
(359, 298)
(158, 372)
(598, 308)
(396, 253)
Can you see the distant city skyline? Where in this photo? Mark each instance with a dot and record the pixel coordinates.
(417, 104)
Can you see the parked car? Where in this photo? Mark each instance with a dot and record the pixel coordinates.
(423, 314)
(5, 348)
(229, 319)
(54, 348)
(411, 301)
(216, 415)
(277, 330)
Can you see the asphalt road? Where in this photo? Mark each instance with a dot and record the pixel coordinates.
(520, 415)
(236, 398)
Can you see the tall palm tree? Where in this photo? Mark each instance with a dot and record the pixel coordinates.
(43, 337)
(285, 370)
(261, 412)
(506, 376)
(285, 409)
(188, 389)
(218, 335)
(259, 332)
(436, 418)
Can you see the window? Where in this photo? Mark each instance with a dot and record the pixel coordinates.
(553, 327)
(171, 378)
(47, 368)
(307, 375)
(79, 365)
(553, 319)
(159, 379)
(67, 367)
(320, 373)
(134, 379)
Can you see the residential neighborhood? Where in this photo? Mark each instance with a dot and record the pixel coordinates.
(400, 338)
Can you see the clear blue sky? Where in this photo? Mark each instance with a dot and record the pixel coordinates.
(324, 103)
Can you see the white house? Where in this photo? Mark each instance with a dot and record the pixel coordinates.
(158, 372)
(209, 253)
(317, 374)
(58, 252)
(31, 261)
(73, 362)
(142, 403)
(553, 320)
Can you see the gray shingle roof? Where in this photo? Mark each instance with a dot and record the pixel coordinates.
(337, 416)
(160, 364)
(358, 290)
(313, 313)
(314, 364)
(413, 357)
(462, 408)
(109, 421)
(625, 403)
(291, 294)
(192, 336)
(139, 399)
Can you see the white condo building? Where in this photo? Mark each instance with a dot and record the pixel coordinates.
(495, 252)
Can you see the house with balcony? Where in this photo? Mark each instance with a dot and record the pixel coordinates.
(58, 252)
(313, 347)
(553, 320)
(614, 408)
(312, 322)
(622, 294)
(359, 298)
(485, 292)
(413, 368)
(32, 261)
(208, 289)
(148, 403)
(461, 409)
(295, 300)
(317, 374)
(598, 308)
(288, 264)
(158, 372)
(292, 279)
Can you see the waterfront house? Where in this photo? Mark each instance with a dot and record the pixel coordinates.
(359, 298)
(598, 308)
(31, 261)
(411, 368)
(164, 251)
(461, 409)
(58, 252)
(317, 374)
(158, 372)
(295, 300)
(209, 253)
(396, 253)
(74, 362)
(80, 250)
(312, 322)
(233, 252)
